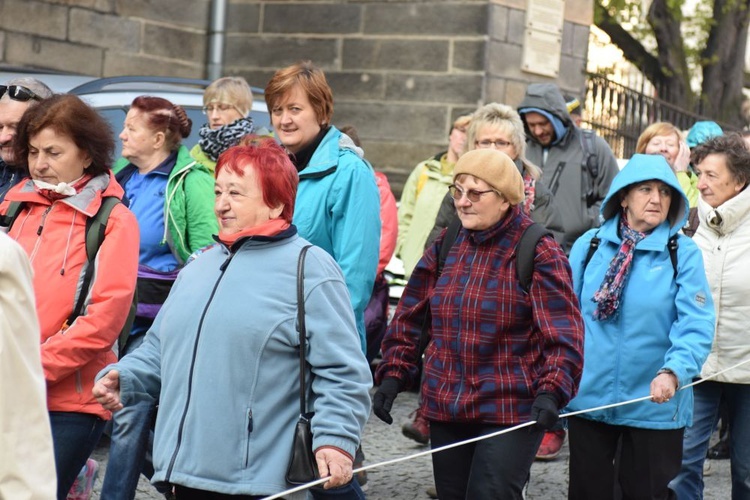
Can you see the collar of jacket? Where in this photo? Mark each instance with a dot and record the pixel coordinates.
(283, 235)
(511, 220)
(725, 218)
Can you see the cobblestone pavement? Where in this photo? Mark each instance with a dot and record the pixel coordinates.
(408, 480)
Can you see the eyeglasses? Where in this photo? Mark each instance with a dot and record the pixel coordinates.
(18, 93)
(472, 194)
(221, 108)
(486, 143)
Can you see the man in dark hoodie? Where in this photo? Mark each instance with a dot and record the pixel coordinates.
(577, 165)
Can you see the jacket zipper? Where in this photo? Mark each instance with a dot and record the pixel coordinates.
(249, 431)
(181, 427)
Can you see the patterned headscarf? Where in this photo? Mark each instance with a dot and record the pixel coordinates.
(609, 294)
(215, 142)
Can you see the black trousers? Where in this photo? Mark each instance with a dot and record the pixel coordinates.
(492, 468)
(185, 493)
(605, 458)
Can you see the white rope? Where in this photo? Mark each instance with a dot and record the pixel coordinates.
(494, 434)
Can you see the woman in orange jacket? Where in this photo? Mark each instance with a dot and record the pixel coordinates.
(68, 148)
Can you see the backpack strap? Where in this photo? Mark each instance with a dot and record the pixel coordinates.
(95, 228)
(14, 208)
(525, 253)
(672, 246)
(593, 246)
(451, 234)
(590, 163)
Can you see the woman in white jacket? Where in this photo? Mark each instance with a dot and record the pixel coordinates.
(723, 168)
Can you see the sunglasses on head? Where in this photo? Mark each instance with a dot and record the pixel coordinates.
(18, 93)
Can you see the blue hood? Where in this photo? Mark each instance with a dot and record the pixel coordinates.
(642, 168)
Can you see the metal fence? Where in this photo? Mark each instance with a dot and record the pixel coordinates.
(619, 114)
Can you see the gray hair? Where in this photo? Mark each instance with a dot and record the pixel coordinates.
(36, 86)
(505, 117)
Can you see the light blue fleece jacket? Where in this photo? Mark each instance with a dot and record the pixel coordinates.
(222, 356)
(663, 322)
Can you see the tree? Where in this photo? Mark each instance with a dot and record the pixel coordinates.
(658, 49)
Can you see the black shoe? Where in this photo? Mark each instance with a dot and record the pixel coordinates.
(719, 451)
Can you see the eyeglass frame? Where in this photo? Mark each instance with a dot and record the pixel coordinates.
(498, 144)
(473, 195)
(217, 107)
(14, 91)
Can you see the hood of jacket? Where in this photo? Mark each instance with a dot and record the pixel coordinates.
(641, 168)
(546, 99)
(326, 156)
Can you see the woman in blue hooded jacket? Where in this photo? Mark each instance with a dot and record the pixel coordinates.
(649, 326)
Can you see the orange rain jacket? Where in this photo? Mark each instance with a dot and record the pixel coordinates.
(53, 235)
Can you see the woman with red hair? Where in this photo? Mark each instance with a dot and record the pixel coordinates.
(222, 355)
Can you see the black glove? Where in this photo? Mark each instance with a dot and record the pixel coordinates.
(544, 410)
(382, 401)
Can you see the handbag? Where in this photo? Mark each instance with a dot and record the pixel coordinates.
(302, 465)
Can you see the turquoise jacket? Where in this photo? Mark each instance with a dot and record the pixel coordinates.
(664, 322)
(222, 357)
(188, 205)
(338, 209)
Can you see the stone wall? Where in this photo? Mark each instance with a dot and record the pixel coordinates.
(401, 71)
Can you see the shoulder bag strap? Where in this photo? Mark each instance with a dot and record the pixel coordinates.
(301, 327)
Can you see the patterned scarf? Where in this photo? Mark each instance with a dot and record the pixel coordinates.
(215, 142)
(609, 294)
(529, 191)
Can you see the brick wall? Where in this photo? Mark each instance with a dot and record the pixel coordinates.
(401, 71)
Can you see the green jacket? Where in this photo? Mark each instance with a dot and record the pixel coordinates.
(188, 205)
(421, 197)
(203, 158)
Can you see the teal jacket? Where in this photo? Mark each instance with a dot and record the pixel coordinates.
(664, 322)
(338, 209)
(189, 217)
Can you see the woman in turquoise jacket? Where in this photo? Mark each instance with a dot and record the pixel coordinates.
(172, 198)
(649, 326)
(338, 204)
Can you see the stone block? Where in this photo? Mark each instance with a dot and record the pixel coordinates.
(498, 27)
(194, 13)
(122, 63)
(516, 25)
(495, 90)
(338, 18)
(98, 5)
(34, 18)
(572, 72)
(581, 40)
(258, 79)
(566, 46)
(513, 4)
(398, 54)
(426, 18)
(398, 158)
(504, 60)
(395, 121)
(448, 89)
(275, 53)
(243, 18)
(579, 11)
(515, 91)
(356, 85)
(104, 30)
(31, 50)
(469, 55)
(174, 43)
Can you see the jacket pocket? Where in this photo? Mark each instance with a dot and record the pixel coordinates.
(249, 427)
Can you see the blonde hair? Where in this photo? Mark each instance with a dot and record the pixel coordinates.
(233, 90)
(654, 130)
(509, 122)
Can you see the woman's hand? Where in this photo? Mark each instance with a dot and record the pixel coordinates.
(107, 391)
(333, 463)
(682, 160)
(663, 387)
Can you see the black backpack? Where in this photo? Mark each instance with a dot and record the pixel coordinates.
(672, 246)
(95, 228)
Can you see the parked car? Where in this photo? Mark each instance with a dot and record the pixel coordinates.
(112, 96)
